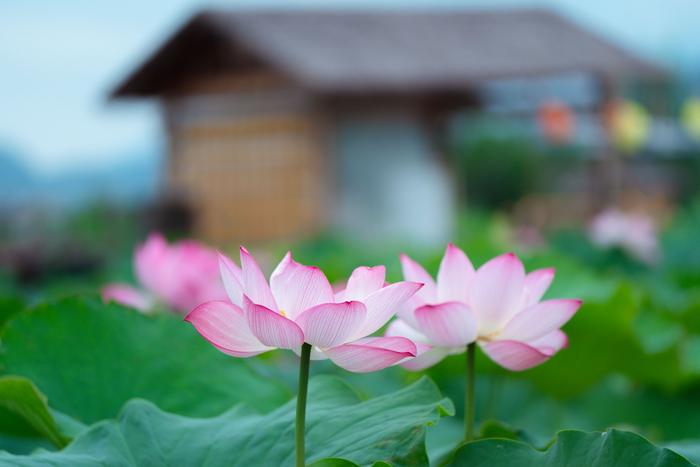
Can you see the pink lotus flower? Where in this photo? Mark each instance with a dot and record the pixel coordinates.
(298, 306)
(182, 275)
(633, 232)
(497, 306)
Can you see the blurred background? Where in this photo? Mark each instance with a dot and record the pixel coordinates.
(381, 123)
(566, 131)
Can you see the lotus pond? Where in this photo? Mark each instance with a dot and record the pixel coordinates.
(396, 377)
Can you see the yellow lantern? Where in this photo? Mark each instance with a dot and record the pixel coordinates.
(628, 125)
(690, 117)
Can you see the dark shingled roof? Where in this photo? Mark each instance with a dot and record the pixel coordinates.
(371, 51)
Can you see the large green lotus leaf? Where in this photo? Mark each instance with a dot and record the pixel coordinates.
(22, 438)
(9, 306)
(90, 358)
(612, 448)
(689, 448)
(616, 403)
(25, 419)
(337, 462)
(389, 428)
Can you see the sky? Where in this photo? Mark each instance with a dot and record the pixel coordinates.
(60, 59)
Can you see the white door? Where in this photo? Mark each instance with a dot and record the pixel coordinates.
(390, 185)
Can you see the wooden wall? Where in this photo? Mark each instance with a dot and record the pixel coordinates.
(247, 158)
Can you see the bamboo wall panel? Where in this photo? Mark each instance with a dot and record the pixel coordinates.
(253, 179)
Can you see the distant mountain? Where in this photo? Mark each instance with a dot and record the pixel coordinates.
(11, 169)
(133, 181)
(16, 180)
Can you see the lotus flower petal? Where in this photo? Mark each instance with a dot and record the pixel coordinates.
(316, 353)
(401, 328)
(449, 324)
(270, 327)
(540, 319)
(454, 276)
(425, 359)
(383, 304)
(551, 343)
(182, 275)
(232, 278)
(536, 284)
(414, 272)
(148, 260)
(330, 324)
(362, 282)
(427, 355)
(372, 353)
(497, 292)
(254, 283)
(514, 355)
(297, 287)
(127, 295)
(407, 311)
(225, 326)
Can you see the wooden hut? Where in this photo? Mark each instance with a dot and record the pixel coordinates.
(281, 123)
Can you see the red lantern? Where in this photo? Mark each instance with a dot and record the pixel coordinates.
(556, 122)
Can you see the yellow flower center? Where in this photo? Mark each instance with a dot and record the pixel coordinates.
(282, 312)
(488, 337)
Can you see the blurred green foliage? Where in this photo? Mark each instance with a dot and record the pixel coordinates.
(498, 172)
(497, 162)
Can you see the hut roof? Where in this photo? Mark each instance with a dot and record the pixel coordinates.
(383, 50)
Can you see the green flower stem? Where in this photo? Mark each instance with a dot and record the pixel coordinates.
(469, 394)
(301, 403)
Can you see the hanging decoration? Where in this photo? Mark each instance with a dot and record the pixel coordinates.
(690, 117)
(627, 124)
(556, 122)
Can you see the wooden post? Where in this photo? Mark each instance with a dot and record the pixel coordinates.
(611, 168)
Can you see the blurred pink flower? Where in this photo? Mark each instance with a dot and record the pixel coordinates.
(633, 232)
(498, 306)
(299, 306)
(128, 295)
(182, 275)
